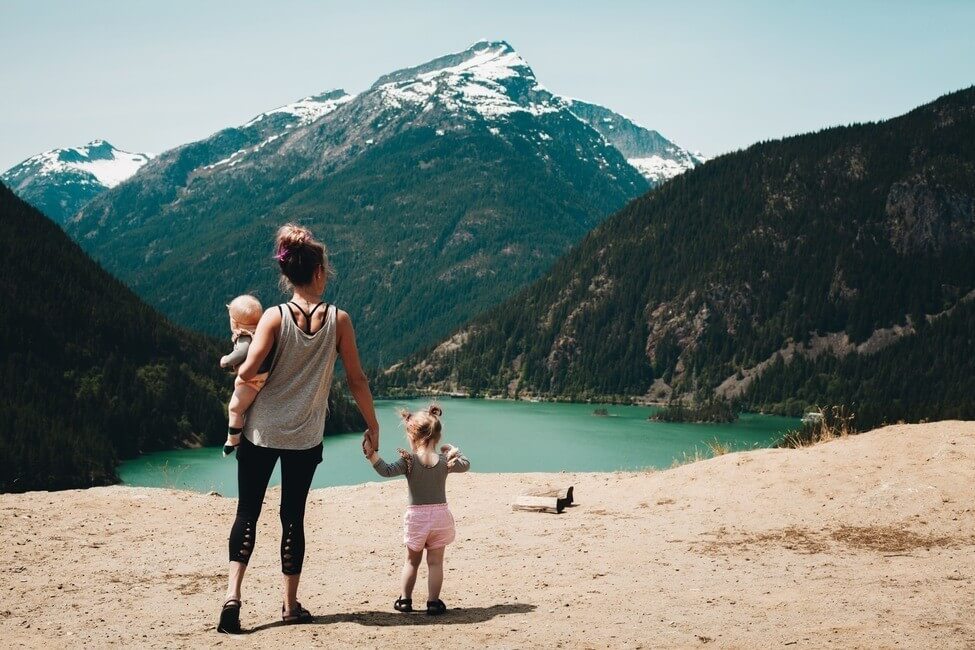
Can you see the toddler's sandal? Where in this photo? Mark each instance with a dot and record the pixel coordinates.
(404, 605)
(298, 615)
(436, 607)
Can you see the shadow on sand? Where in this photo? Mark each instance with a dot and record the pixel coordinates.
(459, 616)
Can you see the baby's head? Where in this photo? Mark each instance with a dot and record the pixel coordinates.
(423, 427)
(245, 312)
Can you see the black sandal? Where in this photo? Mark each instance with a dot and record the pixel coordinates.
(404, 605)
(230, 617)
(436, 607)
(298, 615)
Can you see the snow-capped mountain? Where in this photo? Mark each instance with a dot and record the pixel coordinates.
(440, 189)
(490, 81)
(60, 181)
(653, 155)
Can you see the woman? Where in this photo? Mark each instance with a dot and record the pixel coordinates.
(287, 419)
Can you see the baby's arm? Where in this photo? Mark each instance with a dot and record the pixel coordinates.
(239, 354)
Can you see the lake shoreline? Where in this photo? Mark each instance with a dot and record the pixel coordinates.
(549, 437)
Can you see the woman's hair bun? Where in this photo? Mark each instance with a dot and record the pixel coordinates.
(435, 410)
(291, 235)
(299, 255)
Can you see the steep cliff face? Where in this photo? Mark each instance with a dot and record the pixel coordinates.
(927, 216)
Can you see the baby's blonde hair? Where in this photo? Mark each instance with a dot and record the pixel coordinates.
(245, 313)
(423, 427)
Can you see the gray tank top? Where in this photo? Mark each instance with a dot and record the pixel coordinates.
(289, 412)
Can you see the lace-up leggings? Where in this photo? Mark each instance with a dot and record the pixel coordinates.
(254, 467)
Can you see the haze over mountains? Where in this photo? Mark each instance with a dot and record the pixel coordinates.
(835, 267)
(440, 190)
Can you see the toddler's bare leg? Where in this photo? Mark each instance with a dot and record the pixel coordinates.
(435, 568)
(243, 397)
(410, 568)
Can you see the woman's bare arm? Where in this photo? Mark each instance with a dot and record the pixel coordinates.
(356, 378)
(263, 341)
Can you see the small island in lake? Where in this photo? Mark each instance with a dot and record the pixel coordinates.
(713, 411)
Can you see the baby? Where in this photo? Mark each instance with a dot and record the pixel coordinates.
(428, 523)
(245, 312)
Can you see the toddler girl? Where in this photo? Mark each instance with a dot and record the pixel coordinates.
(428, 523)
(245, 312)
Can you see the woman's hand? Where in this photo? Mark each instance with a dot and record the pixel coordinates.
(368, 449)
(373, 437)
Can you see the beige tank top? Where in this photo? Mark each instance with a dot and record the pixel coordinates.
(290, 411)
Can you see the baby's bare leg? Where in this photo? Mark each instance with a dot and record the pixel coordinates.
(244, 394)
(410, 568)
(435, 568)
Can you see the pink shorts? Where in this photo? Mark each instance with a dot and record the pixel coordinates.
(429, 526)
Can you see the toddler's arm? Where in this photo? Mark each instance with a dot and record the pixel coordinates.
(399, 468)
(457, 462)
(239, 354)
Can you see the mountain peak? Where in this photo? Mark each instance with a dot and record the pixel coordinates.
(492, 60)
(308, 109)
(60, 181)
(488, 78)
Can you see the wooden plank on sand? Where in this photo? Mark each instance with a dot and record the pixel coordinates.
(530, 503)
(564, 494)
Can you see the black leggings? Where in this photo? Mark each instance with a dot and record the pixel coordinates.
(254, 467)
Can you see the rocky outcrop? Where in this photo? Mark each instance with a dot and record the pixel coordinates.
(928, 217)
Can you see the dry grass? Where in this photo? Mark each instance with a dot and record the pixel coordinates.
(686, 458)
(882, 539)
(714, 447)
(718, 448)
(793, 538)
(889, 539)
(834, 422)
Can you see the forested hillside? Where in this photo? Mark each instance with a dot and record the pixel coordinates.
(91, 374)
(852, 235)
(440, 190)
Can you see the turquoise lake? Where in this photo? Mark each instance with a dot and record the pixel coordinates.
(497, 436)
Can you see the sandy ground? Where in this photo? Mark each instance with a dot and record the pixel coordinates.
(862, 542)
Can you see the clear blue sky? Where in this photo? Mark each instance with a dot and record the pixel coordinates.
(713, 76)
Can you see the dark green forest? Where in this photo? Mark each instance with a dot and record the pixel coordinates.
(91, 374)
(849, 229)
(930, 376)
(425, 228)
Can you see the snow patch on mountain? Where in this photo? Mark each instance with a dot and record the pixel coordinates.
(658, 169)
(308, 109)
(97, 162)
(490, 79)
(654, 156)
